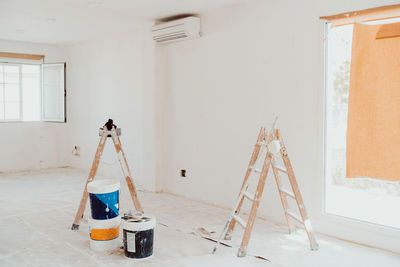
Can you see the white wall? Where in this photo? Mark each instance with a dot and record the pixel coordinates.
(254, 61)
(31, 145)
(112, 78)
(198, 105)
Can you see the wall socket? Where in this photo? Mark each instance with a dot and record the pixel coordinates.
(76, 151)
(183, 173)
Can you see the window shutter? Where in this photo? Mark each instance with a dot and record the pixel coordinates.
(53, 100)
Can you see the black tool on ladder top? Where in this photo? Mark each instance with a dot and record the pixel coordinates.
(109, 124)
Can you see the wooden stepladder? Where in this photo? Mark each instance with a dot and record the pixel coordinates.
(265, 143)
(109, 130)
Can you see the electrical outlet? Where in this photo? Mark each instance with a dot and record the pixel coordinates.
(183, 173)
(76, 151)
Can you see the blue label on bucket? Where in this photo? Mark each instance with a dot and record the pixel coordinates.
(104, 206)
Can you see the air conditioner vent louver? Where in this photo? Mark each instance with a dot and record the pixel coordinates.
(177, 30)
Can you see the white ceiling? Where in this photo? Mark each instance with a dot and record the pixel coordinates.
(69, 21)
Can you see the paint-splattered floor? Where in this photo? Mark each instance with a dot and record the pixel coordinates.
(37, 210)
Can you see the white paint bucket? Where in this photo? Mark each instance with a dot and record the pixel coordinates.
(104, 234)
(104, 199)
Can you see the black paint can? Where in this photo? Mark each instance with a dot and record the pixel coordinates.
(138, 235)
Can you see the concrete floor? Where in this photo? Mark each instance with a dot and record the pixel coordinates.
(38, 209)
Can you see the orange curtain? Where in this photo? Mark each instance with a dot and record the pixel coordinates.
(373, 127)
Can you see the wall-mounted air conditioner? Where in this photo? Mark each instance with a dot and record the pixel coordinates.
(176, 30)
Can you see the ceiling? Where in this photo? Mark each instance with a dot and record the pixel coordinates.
(70, 21)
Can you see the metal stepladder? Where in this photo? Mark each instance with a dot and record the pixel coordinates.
(109, 130)
(268, 142)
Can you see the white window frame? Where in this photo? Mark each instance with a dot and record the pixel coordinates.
(56, 120)
(362, 232)
(325, 144)
(19, 64)
(20, 91)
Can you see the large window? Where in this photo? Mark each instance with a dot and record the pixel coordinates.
(32, 92)
(366, 199)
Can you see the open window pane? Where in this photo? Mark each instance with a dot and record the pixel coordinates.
(32, 92)
(53, 92)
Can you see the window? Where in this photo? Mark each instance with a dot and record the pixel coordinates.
(370, 200)
(54, 92)
(32, 92)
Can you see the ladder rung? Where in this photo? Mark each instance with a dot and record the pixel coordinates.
(287, 192)
(240, 221)
(294, 216)
(248, 195)
(281, 169)
(255, 169)
(262, 143)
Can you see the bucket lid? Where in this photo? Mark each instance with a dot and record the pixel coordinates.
(143, 223)
(103, 186)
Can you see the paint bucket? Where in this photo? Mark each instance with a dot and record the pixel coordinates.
(104, 234)
(104, 199)
(138, 234)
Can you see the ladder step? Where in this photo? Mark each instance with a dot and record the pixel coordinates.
(281, 169)
(240, 221)
(262, 143)
(287, 192)
(294, 216)
(248, 195)
(255, 169)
